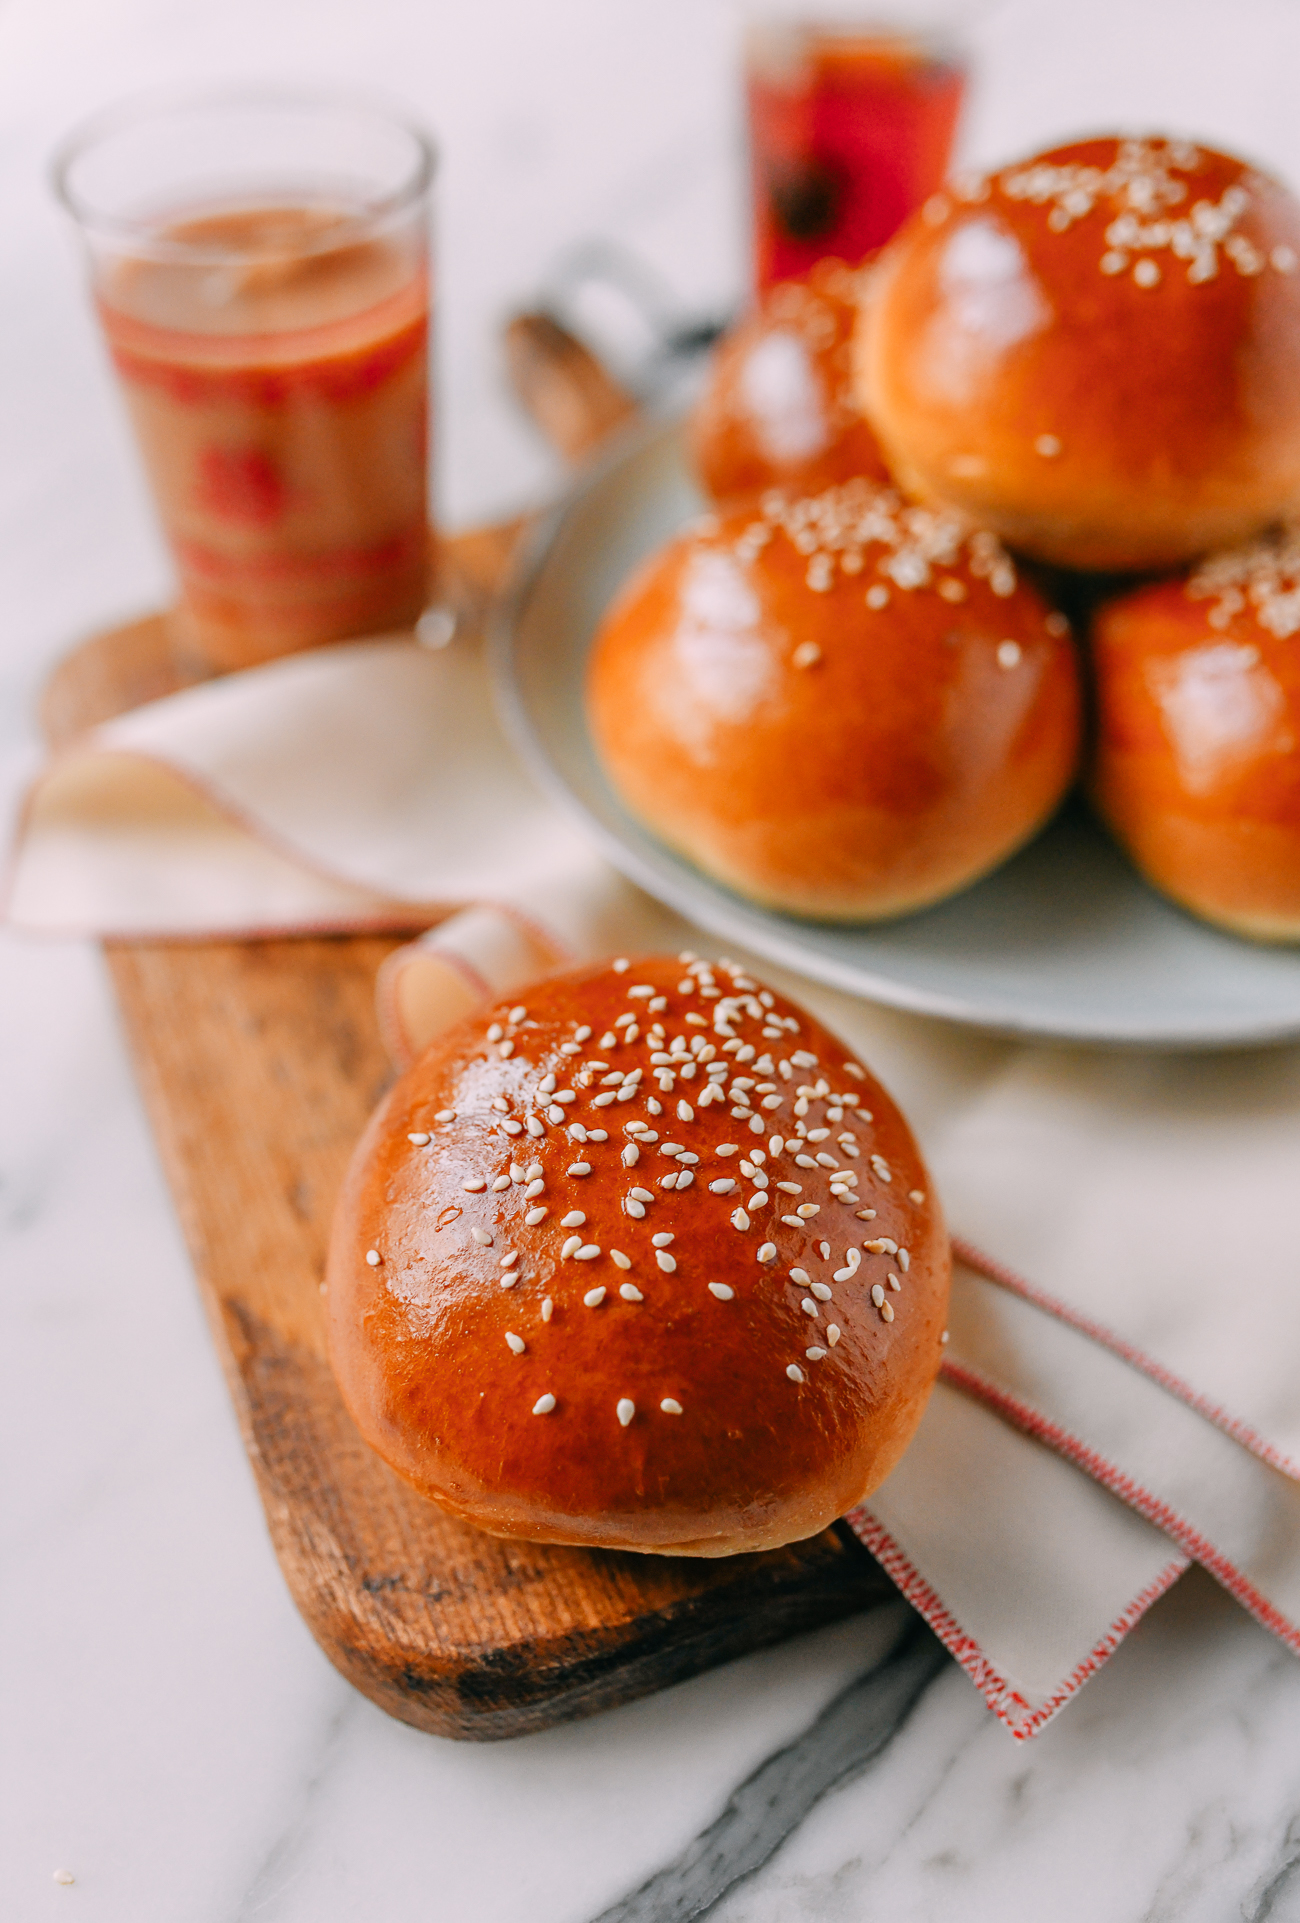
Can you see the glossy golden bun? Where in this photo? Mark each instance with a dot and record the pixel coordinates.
(1197, 766)
(1096, 353)
(839, 706)
(675, 1369)
(779, 408)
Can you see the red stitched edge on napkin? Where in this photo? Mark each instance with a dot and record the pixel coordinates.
(1231, 1425)
(1023, 1415)
(1020, 1717)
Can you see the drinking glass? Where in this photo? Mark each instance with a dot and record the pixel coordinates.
(260, 266)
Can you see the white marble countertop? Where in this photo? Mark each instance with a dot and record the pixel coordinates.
(170, 1733)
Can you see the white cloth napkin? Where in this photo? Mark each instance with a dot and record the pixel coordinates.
(1144, 1327)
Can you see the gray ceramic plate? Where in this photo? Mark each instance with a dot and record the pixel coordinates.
(1065, 941)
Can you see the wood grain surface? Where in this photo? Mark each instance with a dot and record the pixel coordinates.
(259, 1062)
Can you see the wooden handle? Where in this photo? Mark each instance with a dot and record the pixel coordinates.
(562, 387)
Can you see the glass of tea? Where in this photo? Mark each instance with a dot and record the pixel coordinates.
(851, 124)
(260, 265)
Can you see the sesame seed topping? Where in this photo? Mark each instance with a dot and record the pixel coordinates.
(548, 1308)
(809, 1307)
(475, 1187)
(668, 1263)
(374, 1258)
(534, 1216)
(685, 1113)
(808, 1209)
(662, 1241)
(445, 1115)
(630, 1292)
(544, 1405)
(536, 1186)
(483, 1237)
(767, 1253)
(894, 1283)
(726, 1148)
(509, 1259)
(593, 1298)
(822, 1290)
(631, 1155)
(588, 1252)
(807, 654)
(513, 1128)
(506, 1048)
(571, 1247)
(573, 1220)
(1008, 654)
(945, 1336)
(534, 1126)
(500, 1182)
(1048, 446)
(420, 1138)
(722, 1290)
(626, 1410)
(670, 1406)
(620, 1260)
(887, 1311)
(495, 1032)
(579, 1168)
(794, 1372)
(815, 1355)
(739, 1219)
(877, 1294)
(515, 1342)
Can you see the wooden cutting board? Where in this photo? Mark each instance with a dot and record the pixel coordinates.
(259, 1062)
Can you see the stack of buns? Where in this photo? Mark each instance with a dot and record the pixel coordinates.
(1087, 361)
(642, 1260)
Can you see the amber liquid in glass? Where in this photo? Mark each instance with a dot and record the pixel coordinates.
(279, 391)
(847, 139)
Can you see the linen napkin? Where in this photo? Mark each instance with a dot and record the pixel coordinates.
(1124, 1407)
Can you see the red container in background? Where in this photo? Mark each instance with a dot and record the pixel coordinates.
(850, 130)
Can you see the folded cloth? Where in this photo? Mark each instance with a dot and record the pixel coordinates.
(1142, 1199)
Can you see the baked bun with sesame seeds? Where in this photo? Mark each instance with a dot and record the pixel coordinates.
(1197, 759)
(1096, 353)
(643, 1261)
(780, 407)
(840, 706)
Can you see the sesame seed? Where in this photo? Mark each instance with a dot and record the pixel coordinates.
(482, 1237)
(767, 1253)
(500, 1182)
(634, 1208)
(794, 1372)
(894, 1283)
(916, 1195)
(516, 1342)
(513, 1128)
(535, 1187)
(822, 1290)
(725, 1185)
(548, 1308)
(534, 1216)
(588, 1252)
(571, 1247)
(1146, 273)
(607, 1040)
(739, 1219)
(620, 1260)
(374, 1258)
(419, 1138)
(573, 1220)
(877, 1294)
(495, 1033)
(546, 1084)
(808, 1306)
(887, 1312)
(1048, 446)
(877, 596)
(1008, 654)
(579, 1168)
(670, 1406)
(825, 1248)
(625, 1411)
(685, 1113)
(445, 1115)
(508, 1261)
(832, 1333)
(669, 1181)
(726, 1148)
(808, 1209)
(662, 1241)
(475, 1187)
(668, 1263)
(582, 1034)
(544, 1405)
(945, 1336)
(792, 1221)
(631, 1155)
(506, 1048)
(807, 654)
(534, 1171)
(593, 1298)
(534, 1126)
(722, 1290)
(904, 1260)
(509, 1279)
(64, 1876)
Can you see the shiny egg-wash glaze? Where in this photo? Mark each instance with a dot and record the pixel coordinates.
(838, 705)
(1096, 352)
(780, 407)
(706, 1361)
(1197, 760)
